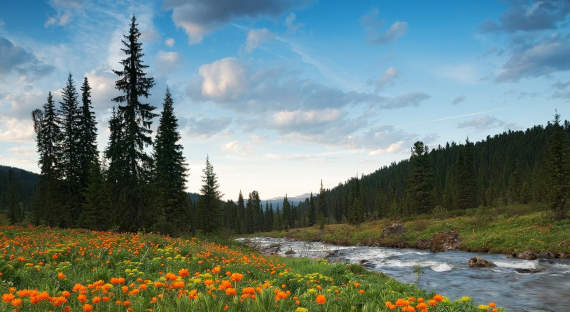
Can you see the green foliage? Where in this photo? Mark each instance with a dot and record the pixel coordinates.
(209, 204)
(559, 167)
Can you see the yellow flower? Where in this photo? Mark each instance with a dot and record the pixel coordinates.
(299, 309)
(483, 307)
(465, 299)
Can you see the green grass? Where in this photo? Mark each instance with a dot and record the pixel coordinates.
(152, 266)
(507, 229)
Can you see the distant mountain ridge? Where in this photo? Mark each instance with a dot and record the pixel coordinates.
(277, 202)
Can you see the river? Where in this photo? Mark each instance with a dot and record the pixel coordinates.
(448, 273)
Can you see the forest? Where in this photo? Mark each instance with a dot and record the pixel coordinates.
(138, 183)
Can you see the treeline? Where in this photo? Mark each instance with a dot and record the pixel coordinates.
(140, 182)
(16, 191)
(511, 167)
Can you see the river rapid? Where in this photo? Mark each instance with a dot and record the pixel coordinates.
(449, 273)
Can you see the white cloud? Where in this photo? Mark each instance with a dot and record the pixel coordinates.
(392, 148)
(387, 77)
(297, 118)
(16, 130)
(167, 61)
(373, 24)
(256, 37)
(169, 42)
(223, 79)
(292, 27)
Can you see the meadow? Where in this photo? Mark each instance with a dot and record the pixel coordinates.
(47, 269)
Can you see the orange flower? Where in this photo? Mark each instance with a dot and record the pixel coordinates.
(16, 302)
(183, 272)
(171, 276)
(438, 298)
(321, 299)
(492, 304)
(216, 270)
(87, 307)
(432, 302)
(236, 277)
(61, 276)
(356, 284)
(230, 291)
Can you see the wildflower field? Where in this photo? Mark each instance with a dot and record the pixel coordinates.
(45, 269)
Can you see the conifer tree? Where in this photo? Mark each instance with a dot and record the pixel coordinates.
(70, 153)
(135, 165)
(88, 154)
(287, 220)
(114, 151)
(209, 200)
(466, 184)
(48, 141)
(421, 179)
(170, 171)
(322, 201)
(137, 117)
(243, 224)
(12, 198)
(559, 167)
(312, 211)
(96, 213)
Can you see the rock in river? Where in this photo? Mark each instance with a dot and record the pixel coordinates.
(445, 241)
(478, 262)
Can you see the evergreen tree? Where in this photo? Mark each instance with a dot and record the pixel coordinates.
(312, 211)
(287, 219)
(421, 179)
(355, 212)
(243, 224)
(137, 117)
(96, 213)
(70, 153)
(209, 200)
(88, 154)
(170, 171)
(12, 200)
(114, 151)
(48, 141)
(559, 167)
(466, 184)
(322, 201)
(135, 165)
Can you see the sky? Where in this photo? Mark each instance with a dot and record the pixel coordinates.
(281, 94)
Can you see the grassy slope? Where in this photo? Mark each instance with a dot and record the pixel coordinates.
(87, 262)
(508, 229)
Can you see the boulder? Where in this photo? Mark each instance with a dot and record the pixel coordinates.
(528, 255)
(423, 243)
(478, 262)
(444, 241)
(546, 255)
(366, 264)
(271, 249)
(395, 228)
(290, 252)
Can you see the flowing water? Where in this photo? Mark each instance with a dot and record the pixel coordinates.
(449, 272)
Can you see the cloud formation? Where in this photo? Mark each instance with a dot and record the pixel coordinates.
(65, 9)
(256, 37)
(527, 16)
(223, 80)
(200, 17)
(373, 27)
(168, 61)
(531, 58)
(387, 77)
(15, 59)
(292, 26)
(458, 99)
(485, 122)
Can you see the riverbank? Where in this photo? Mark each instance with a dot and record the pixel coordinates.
(524, 231)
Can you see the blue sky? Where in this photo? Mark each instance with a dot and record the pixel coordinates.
(283, 93)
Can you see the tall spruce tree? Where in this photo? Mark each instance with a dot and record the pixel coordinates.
(170, 170)
(421, 179)
(312, 211)
(48, 141)
(287, 219)
(114, 151)
(322, 202)
(243, 224)
(96, 213)
(209, 204)
(70, 152)
(559, 167)
(87, 144)
(135, 134)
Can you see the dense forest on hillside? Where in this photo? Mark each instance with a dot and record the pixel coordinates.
(138, 182)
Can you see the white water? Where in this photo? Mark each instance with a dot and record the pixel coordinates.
(449, 273)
